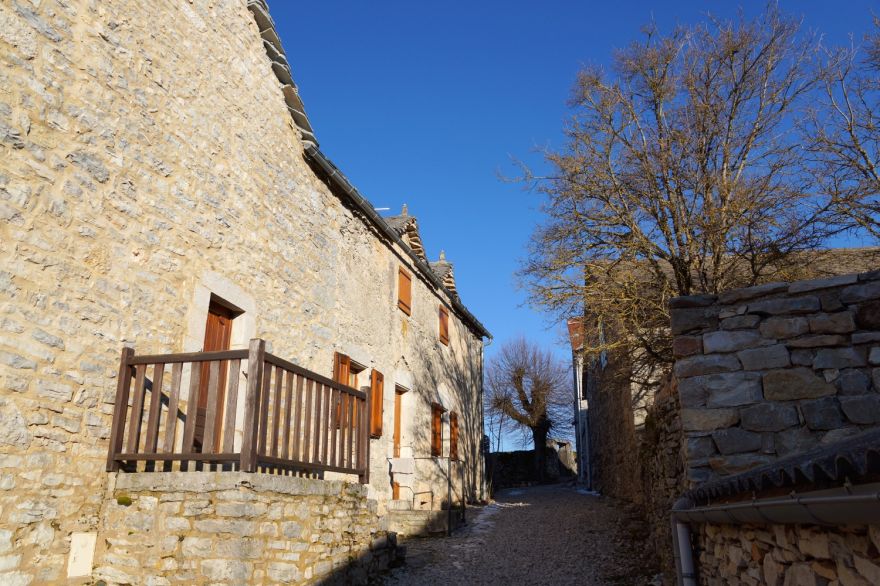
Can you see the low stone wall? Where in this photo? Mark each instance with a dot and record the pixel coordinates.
(236, 528)
(789, 555)
(662, 467)
(773, 370)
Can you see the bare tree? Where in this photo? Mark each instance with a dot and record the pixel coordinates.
(530, 387)
(683, 173)
(844, 124)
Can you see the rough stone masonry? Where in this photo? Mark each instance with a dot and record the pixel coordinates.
(776, 369)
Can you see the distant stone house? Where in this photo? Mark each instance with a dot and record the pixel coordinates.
(218, 363)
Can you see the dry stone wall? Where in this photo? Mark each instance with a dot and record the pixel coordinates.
(236, 528)
(788, 555)
(774, 370)
(148, 161)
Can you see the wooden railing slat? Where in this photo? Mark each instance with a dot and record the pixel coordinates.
(288, 399)
(319, 392)
(307, 425)
(137, 408)
(208, 440)
(189, 357)
(231, 406)
(155, 408)
(343, 429)
(352, 412)
(276, 412)
(120, 409)
(256, 361)
(192, 409)
(328, 423)
(264, 410)
(173, 402)
(334, 425)
(297, 422)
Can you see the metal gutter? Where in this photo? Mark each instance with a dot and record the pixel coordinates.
(335, 176)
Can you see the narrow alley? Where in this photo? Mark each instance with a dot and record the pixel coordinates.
(539, 535)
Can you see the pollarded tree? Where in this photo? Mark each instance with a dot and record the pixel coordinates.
(530, 387)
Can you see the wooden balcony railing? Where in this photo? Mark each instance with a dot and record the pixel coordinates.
(286, 419)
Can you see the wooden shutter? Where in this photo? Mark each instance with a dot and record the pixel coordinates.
(404, 291)
(436, 430)
(453, 436)
(341, 368)
(444, 326)
(377, 387)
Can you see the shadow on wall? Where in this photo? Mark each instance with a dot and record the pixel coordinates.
(510, 469)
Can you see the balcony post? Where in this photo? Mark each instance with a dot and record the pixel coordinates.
(256, 359)
(120, 409)
(364, 430)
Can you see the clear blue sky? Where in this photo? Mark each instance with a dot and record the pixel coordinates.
(425, 103)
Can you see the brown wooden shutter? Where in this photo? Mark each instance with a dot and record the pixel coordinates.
(453, 436)
(377, 388)
(404, 291)
(436, 430)
(444, 326)
(341, 368)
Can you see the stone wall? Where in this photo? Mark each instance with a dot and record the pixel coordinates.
(661, 453)
(773, 370)
(236, 528)
(792, 555)
(147, 162)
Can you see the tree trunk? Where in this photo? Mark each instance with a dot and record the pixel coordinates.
(539, 436)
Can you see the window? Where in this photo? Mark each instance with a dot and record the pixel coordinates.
(444, 326)
(453, 436)
(346, 371)
(377, 388)
(404, 291)
(437, 429)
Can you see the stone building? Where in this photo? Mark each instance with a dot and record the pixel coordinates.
(162, 190)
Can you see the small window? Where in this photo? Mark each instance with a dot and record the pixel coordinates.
(404, 291)
(377, 388)
(453, 436)
(437, 429)
(444, 326)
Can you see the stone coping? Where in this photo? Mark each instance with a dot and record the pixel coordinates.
(218, 481)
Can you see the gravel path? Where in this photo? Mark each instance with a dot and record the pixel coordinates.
(538, 535)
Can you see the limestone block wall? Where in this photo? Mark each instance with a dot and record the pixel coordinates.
(788, 555)
(774, 370)
(236, 528)
(148, 162)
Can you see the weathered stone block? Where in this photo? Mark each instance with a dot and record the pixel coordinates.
(839, 358)
(687, 301)
(832, 323)
(720, 390)
(794, 441)
(283, 573)
(776, 356)
(817, 341)
(852, 382)
(740, 322)
(822, 414)
(865, 337)
(700, 447)
(730, 341)
(785, 305)
(795, 383)
(868, 315)
(737, 295)
(706, 364)
(231, 570)
(814, 284)
(874, 356)
(802, 357)
(784, 327)
(863, 292)
(196, 547)
(708, 419)
(736, 463)
(769, 417)
(736, 440)
(864, 410)
(687, 346)
(687, 320)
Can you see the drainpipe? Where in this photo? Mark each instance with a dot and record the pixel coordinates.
(839, 506)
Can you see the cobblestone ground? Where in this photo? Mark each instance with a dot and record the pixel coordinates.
(538, 535)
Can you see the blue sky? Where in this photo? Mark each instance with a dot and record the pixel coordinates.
(426, 103)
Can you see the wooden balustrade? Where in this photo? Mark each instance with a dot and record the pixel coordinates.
(288, 418)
